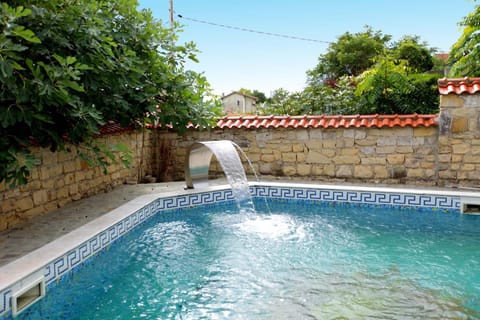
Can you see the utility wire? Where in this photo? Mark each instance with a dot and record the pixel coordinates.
(253, 31)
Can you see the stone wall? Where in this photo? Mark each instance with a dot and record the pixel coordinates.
(62, 177)
(459, 140)
(388, 155)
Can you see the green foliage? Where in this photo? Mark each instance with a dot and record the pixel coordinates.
(261, 97)
(66, 66)
(350, 55)
(388, 88)
(281, 102)
(95, 153)
(418, 55)
(423, 98)
(390, 78)
(334, 99)
(465, 53)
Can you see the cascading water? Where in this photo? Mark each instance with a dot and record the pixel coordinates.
(199, 161)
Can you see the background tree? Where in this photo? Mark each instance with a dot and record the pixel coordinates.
(391, 78)
(418, 56)
(389, 88)
(281, 102)
(338, 98)
(67, 66)
(350, 55)
(261, 97)
(465, 53)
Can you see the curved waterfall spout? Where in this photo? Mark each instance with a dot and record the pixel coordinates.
(197, 165)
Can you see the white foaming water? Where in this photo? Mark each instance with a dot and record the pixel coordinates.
(273, 226)
(228, 158)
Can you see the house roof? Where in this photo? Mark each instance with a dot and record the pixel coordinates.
(459, 86)
(242, 94)
(442, 56)
(356, 121)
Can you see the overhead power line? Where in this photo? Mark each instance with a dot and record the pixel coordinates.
(252, 30)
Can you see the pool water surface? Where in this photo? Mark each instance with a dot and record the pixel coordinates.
(304, 260)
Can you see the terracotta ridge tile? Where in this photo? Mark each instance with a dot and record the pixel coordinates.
(465, 85)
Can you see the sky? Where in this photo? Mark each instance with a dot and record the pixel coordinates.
(232, 59)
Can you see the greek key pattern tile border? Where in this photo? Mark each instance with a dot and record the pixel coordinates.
(361, 197)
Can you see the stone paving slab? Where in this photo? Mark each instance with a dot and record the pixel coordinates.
(43, 229)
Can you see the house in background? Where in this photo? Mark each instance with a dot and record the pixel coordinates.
(239, 103)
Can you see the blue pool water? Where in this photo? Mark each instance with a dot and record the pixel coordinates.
(305, 260)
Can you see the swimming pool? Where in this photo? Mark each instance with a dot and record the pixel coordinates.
(327, 285)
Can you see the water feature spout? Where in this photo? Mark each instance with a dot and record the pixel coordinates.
(197, 164)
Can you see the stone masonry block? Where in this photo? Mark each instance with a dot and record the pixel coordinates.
(316, 134)
(471, 159)
(475, 150)
(24, 204)
(289, 157)
(344, 171)
(329, 144)
(380, 172)
(416, 173)
(304, 169)
(349, 133)
(349, 152)
(424, 132)
(346, 160)
(451, 101)
(362, 171)
(396, 158)
(317, 157)
(459, 125)
(301, 135)
(40, 197)
(386, 150)
(284, 147)
(367, 150)
(298, 147)
(387, 141)
(314, 145)
(329, 170)
(445, 158)
(69, 166)
(373, 160)
(301, 157)
(460, 148)
(267, 158)
(360, 134)
(366, 142)
(289, 170)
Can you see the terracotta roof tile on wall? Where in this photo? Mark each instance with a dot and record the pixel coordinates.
(459, 85)
(112, 127)
(356, 121)
(350, 121)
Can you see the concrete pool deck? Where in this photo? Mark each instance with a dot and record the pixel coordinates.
(40, 230)
(37, 232)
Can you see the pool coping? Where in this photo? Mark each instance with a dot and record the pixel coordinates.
(17, 274)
